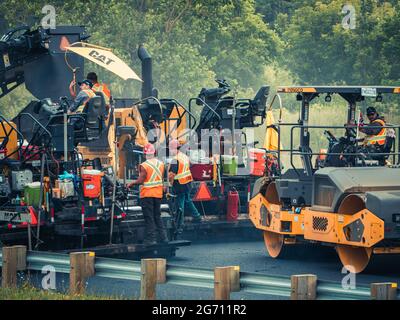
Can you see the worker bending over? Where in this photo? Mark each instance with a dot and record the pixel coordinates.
(151, 174)
(180, 178)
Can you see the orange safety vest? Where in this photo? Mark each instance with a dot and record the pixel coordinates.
(184, 175)
(380, 138)
(102, 88)
(153, 184)
(90, 94)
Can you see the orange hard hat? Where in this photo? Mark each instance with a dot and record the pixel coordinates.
(174, 144)
(149, 149)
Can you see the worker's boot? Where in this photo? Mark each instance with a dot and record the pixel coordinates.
(150, 239)
(162, 236)
(197, 219)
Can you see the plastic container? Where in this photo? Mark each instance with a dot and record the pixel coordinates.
(91, 180)
(229, 165)
(256, 161)
(198, 157)
(232, 210)
(66, 188)
(32, 194)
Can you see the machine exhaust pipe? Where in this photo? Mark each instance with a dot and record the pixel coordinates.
(147, 72)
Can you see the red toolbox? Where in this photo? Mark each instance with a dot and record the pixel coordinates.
(202, 172)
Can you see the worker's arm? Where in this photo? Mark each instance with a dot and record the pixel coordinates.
(171, 177)
(140, 179)
(107, 91)
(72, 89)
(370, 130)
(172, 172)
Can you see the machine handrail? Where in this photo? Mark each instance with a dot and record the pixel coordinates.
(14, 128)
(348, 126)
(205, 104)
(34, 119)
(20, 136)
(186, 110)
(45, 131)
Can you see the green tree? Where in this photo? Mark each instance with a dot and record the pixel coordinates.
(191, 41)
(319, 50)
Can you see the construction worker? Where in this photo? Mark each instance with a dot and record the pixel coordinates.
(180, 178)
(375, 135)
(84, 95)
(97, 87)
(151, 174)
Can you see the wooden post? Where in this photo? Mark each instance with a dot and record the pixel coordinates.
(304, 287)
(148, 279)
(82, 267)
(384, 291)
(161, 270)
(14, 259)
(235, 278)
(222, 283)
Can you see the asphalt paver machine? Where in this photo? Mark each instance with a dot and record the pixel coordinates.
(53, 195)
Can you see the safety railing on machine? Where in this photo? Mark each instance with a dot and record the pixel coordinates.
(394, 152)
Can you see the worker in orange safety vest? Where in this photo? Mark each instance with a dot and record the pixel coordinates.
(150, 178)
(100, 87)
(84, 95)
(180, 179)
(375, 131)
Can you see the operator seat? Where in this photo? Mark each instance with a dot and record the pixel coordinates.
(259, 103)
(95, 111)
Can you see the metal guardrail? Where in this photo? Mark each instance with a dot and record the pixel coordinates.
(327, 290)
(36, 260)
(264, 284)
(117, 269)
(191, 277)
(195, 277)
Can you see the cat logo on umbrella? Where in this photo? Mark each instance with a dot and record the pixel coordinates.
(99, 57)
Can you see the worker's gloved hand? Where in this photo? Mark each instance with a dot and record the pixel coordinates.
(170, 196)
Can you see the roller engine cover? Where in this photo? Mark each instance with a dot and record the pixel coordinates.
(386, 205)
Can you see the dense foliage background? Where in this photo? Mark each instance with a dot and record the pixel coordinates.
(248, 42)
